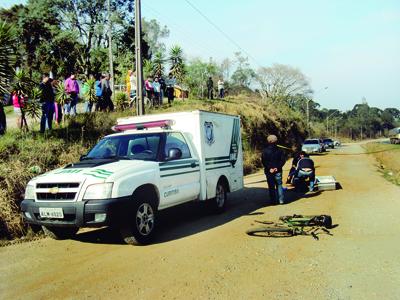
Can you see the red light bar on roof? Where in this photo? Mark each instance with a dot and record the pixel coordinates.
(143, 125)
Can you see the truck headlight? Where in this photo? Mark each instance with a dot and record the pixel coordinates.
(30, 192)
(98, 191)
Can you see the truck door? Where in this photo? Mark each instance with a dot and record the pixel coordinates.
(180, 178)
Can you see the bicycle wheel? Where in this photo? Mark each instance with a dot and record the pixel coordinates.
(271, 232)
(132, 102)
(147, 103)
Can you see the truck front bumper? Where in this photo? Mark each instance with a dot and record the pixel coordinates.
(91, 213)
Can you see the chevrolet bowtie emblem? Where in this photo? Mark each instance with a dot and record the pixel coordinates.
(54, 190)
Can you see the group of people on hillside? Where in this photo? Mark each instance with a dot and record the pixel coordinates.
(155, 88)
(273, 160)
(220, 87)
(52, 110)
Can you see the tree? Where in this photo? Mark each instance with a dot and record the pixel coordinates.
(7, 59)
(158, 63)
(177, 62)
(244, 74)
(225, 68)
(153, 33)
(282, 82)
(197, 72)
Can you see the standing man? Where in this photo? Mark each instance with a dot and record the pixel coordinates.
(170, 83)
(47, 102)
(273, 160)
(163, 88)
(210, 86)
(221, 88)
(106, 93)
(72, 89)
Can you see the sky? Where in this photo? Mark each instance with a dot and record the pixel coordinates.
(351, 47)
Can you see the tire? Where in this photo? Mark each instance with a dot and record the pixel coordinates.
(147, 103)
(270, 232)
(218, 204)
(60, 233)
(140, 229)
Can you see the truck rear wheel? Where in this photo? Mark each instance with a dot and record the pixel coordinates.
(218, 204)
(140, 230)
(60, 233)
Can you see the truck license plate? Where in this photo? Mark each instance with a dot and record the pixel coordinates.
(51, 212)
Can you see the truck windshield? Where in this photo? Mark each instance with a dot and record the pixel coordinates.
(129, 146)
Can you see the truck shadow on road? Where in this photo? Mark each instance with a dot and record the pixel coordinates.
(195, 217)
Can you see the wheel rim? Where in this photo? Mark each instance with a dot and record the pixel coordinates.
(145, 219)
(220, 195)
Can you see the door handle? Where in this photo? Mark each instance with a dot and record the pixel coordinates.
(193, 165)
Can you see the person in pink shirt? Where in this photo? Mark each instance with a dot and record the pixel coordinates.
(18, 103)
(72, 89)
(148, 86)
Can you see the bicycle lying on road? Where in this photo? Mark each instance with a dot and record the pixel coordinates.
(294, 225)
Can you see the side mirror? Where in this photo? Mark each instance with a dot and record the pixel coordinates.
(82, 157)
(174, 153)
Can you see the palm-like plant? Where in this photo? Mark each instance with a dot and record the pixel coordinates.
(7, 59)
(158, 63)
(148, 68)
(90, 94)
(122, 101)
(61, 94)
(22, 86)
(177, 62)
(33, 107)
(7, 55)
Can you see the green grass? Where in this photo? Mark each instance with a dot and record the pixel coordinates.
(8, 109)
(388, 158)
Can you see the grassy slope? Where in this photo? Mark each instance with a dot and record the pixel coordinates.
(19, 152)
(388, 158)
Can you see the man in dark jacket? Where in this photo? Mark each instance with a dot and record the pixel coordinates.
(273, 160)
(47, 101)
(210, 87)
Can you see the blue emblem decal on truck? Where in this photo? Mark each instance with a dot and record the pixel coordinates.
(209, 131)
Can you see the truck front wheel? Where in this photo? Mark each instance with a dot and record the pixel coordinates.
(140, 230)
(60, 233)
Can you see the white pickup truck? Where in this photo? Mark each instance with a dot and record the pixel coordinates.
(153, 162)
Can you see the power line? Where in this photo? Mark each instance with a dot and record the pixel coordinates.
(180, 29)
(221, 31)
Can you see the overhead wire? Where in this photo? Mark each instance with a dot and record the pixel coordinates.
(232, 41)
(187, 35)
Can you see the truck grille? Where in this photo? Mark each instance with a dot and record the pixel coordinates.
(58, 196)
(66, 185)
(57, 191)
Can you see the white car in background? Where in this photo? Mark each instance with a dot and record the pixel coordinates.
(312, 146)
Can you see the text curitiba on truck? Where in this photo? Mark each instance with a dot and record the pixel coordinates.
(151, 163)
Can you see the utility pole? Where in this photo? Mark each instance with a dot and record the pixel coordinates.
(138, 57)
(308, 115)
(110, 55)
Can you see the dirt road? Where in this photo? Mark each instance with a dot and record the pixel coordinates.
(197, 256)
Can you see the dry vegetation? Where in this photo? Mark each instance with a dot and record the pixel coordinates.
(19, 152)
(388, 158)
